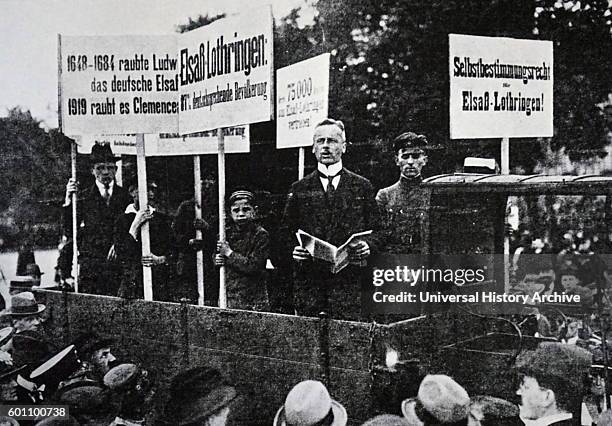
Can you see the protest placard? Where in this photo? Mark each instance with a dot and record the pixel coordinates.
(118, 84)
(237, 140)
(500, 87)
(302, 99)
(225, 72)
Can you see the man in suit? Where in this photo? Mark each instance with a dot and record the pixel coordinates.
(98, 208)
(331, 203)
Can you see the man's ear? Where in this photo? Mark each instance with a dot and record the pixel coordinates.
(549, 398)
(344, 146)
(397, 160)
(425, 158)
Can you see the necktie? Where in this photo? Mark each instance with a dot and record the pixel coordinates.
(106, 195)
(330, 181)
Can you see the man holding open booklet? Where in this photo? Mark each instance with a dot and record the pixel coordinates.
(334, 216)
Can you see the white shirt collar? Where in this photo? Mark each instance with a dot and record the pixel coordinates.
(547, 420)
(100, 186)
(131, 208)
(332, 170)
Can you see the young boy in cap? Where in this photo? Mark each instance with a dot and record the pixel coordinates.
(244, 255)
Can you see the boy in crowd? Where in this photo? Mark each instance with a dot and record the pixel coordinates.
(244, 255)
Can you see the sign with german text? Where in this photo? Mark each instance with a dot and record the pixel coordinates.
(225, 72)
(118, 84)
(302, 94)
(237, 140)
(500, 87)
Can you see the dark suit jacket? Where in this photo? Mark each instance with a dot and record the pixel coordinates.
(96, 220)
(351, 209)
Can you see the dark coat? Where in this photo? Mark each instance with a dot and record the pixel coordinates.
(96, 222)
(186, 272)
(405, 205)
(129, 253)
(245, 267)
(351, 209)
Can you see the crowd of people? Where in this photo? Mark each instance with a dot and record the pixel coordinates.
(98, 389)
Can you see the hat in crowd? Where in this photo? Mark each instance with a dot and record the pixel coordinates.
(409, 140)
(554, 360)
(122, 376)
(196, 394)
(6, 334)
(87, 343)
(22, 283)
(34, 270)
(23, 304)
(489, 410)
(242, 195)
(309, 404)
(101, 153)
(440, 399)
(83, 397)
(57, 421)
(387, 420)
(57, 368)
(8, 421)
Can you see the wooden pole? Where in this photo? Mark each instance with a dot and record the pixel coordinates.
(141, 166)
(301, 155)
(197, 188)
(221, 166)
(505, 170)
(75, 225)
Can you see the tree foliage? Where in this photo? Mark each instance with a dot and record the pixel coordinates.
(33, 173)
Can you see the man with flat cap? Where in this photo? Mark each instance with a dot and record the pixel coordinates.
(331, 203)
(552, 380)
(406, 202)
(98, 208)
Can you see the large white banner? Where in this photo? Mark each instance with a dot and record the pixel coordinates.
(118, 84)
(225, 72)
(237, 140)
(302, 99)
(500, 87)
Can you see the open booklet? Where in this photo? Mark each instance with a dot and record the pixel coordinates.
(319, 249)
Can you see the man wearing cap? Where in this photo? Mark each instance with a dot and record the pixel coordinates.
(406, 202)
(96, 358)
(199, 395)
(331, 203)
(552, 380)
(439, 401)
(28, 345)
(98, 208)
(128, 247)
